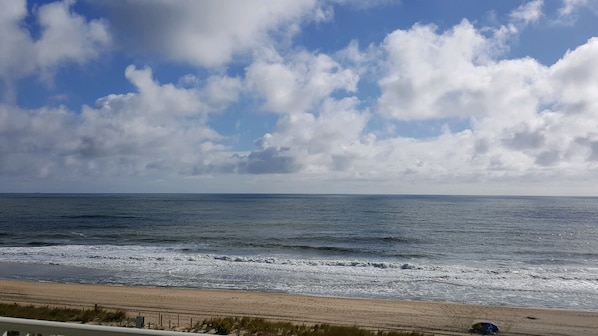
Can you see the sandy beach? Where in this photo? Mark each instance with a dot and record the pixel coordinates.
(180, 307)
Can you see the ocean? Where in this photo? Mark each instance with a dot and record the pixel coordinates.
(509, 251)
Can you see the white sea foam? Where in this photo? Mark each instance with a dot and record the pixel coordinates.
(558, 287)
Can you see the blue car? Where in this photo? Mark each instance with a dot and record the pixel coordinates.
(484, 328)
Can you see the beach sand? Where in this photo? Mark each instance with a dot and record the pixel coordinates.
(180, 307)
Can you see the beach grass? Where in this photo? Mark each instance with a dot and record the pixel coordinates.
(219, 325)
(47, 313)
(262, 327)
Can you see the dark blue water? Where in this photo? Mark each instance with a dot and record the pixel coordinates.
(514, 251)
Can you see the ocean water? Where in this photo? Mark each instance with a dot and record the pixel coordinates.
(510, 251)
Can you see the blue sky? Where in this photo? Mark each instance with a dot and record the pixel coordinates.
(328, 96)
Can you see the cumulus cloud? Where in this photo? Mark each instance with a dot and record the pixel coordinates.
(30, 141)
(270, 160)
(295, 83)
(432, 75)
(573, 78)
(521, 117)
(16, 39)
(160, 126)
(330, 138)
(205, 33)
(319, 132)
(64, 37)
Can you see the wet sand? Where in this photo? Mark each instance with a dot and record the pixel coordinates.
(177, 307)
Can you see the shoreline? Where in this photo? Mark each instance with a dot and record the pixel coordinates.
(180, 306)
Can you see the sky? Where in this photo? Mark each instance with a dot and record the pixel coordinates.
(300, 96)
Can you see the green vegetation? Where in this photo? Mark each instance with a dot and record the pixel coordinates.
(246, 326)
(61, 314)
(261, 327)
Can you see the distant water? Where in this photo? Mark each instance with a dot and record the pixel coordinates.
(512, 251)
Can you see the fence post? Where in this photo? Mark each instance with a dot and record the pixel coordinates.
(140, 322)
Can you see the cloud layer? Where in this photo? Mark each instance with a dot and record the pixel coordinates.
(492, 124)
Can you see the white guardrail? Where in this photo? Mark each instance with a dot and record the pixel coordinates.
(10, 326)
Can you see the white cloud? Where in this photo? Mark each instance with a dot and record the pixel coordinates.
(432, 75)
(528, 13)
(525, 119)
(318, 132)
(574, 79)
(328, 140)
(571, 6)
(206, 33)
(16, 39)
(65, 37)
(296, 83)
(221, 91)
(160, 127)
(30, 141)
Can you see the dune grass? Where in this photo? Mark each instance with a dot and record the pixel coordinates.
(96, 314)
(262, 327)
(247, 326)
